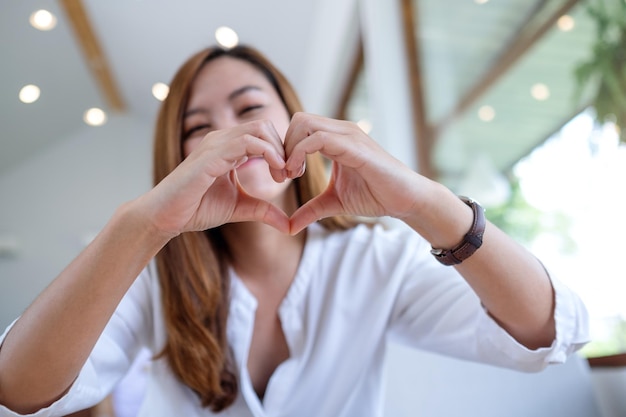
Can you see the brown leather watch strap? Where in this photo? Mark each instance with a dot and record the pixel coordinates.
(471, 241)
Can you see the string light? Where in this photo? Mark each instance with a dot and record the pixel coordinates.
(95, 117)
(540, 92)
(29, 93)
(565, 23)
(43, 20)
(486, 113)
(160, 91)
(226, 37)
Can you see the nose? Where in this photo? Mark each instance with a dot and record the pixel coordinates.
(224, 120)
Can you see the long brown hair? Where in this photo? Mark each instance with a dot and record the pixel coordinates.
(192, 267)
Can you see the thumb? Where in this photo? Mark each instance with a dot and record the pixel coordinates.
(322, 206)
(249, 208)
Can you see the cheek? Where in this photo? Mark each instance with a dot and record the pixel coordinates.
(189, 145)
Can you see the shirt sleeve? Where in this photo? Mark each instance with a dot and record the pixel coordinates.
(436, 310)
(111, 357)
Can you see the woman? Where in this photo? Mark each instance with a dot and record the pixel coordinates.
(249, 278)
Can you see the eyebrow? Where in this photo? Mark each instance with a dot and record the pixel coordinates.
(231, 97)
(242, 90)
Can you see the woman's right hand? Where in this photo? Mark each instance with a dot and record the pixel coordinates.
(203, 191)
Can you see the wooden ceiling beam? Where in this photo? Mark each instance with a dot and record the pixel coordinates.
(513, 52)
(421, 128)
(92, 52)
(353, 76)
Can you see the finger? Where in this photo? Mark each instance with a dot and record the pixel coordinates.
(270, 133)
(301, 127)
(219, 154)
(241, 161)
(338, 140)
(276, 218)
(305, 124)
(279, 175)
(265, 130)
(255, 146)
(275, 162)
(331, 145)
(320, 207)
(252, 209)
(293, 174)
(232, 152)
(256, 138)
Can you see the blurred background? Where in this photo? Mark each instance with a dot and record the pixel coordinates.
(517, 103)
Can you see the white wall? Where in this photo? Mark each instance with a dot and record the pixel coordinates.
(423, 384)
(387, 78)
(51, 203)
(610, 388)
(336, 28)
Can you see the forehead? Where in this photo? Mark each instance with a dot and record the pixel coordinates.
(225, 74)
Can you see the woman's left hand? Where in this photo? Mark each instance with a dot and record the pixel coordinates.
(368, 181)
(365, 179)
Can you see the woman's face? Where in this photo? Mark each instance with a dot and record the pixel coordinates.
(227, 92)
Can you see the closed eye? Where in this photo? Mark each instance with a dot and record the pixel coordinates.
(249, 109)
(189, 133)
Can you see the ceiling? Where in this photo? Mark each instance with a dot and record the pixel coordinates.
(466, 56)
(470, 55)
(141, 42)
(491, 50)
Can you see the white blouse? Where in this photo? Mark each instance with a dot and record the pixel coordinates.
(353, 291)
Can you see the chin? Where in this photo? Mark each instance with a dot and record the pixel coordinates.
(269, 190)
(254, 176)
(268, 193)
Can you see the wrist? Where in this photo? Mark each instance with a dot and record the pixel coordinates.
(472, 240)
(137, 220)
(440, 217)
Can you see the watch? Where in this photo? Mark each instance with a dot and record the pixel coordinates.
(471, 241)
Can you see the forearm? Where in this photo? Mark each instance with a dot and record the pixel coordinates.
(514, 287)
(43, 353)
(511, 283)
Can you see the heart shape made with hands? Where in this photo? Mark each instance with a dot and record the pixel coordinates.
(318, 207)
(354, 187)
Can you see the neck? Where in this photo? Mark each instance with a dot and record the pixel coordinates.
(261, 253)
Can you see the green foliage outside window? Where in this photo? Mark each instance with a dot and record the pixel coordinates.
(525, 223)
(603, 76)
